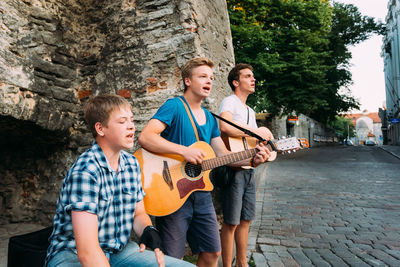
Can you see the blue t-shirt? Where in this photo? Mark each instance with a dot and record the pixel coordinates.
(179, 129)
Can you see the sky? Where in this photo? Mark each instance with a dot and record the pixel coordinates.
(367, 64)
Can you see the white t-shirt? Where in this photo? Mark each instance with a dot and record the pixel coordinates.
(239, 111)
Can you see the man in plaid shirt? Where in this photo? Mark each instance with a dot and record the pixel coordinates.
(101, 199)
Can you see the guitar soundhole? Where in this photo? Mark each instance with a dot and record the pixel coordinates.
(192, 170)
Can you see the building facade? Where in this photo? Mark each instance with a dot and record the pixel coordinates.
(391, 55)
(368, 126)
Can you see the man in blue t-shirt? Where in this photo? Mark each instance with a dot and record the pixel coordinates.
(170, 131)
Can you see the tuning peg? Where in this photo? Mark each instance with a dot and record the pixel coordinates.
(288, 152)
(294, 150)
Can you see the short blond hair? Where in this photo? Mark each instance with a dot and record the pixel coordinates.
(187, 69)
(99, 108)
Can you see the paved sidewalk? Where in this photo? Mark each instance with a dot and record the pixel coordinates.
(394, 150)
(341, 212)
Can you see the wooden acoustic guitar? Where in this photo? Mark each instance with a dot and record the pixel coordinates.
(236, 144)
(168, 180)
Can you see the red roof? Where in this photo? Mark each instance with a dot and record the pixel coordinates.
(373, 115)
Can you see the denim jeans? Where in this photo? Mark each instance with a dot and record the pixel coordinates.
(129, 256)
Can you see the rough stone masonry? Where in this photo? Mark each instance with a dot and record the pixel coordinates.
(55, 54)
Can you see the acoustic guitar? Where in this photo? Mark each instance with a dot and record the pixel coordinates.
(168, 180)
(236, 144)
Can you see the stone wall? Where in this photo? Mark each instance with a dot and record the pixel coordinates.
(54, 54)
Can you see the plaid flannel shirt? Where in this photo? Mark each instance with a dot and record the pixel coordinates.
(91, 185)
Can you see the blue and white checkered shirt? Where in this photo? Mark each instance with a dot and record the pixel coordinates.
(92, 185)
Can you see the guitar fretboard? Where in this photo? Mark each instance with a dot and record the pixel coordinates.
(227, 159)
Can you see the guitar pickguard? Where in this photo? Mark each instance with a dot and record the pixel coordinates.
(185, 186)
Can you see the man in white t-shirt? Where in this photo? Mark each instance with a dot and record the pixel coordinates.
(239, 196)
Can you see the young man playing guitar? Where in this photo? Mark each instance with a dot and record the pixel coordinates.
(239, 196)
(170, 131)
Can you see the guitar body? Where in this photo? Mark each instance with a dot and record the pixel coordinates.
(240, 143)
(168, 180)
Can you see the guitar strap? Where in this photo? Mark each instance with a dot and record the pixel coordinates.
(248, 115)
(251, 133)
(191, 119)
(225, 120)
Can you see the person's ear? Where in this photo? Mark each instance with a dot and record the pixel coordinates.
(187, 81)
(99, 129)
(235, 83)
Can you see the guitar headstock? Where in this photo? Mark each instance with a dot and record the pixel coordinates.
(290, 144)
(304, 143)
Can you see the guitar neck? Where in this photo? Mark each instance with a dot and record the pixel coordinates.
(227, 159)
(284, 145)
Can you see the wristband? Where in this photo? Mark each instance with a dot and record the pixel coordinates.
(252, 162)
(151, 238)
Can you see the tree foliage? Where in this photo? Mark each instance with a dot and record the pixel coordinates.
(299, 51)
(343, 127)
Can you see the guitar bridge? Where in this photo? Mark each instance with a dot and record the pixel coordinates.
(167, 175)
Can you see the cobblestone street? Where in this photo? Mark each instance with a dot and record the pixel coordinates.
(331, 206)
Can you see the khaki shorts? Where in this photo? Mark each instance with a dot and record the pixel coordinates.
(239, 198)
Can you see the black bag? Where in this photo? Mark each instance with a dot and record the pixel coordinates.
(221, 176)
(29, 249)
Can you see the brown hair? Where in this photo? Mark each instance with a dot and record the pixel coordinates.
(99, 108)
(234, 74)
(186, 71)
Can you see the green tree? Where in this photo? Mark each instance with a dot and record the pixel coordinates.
(343, 127)
(298, 61)
(348, 28)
